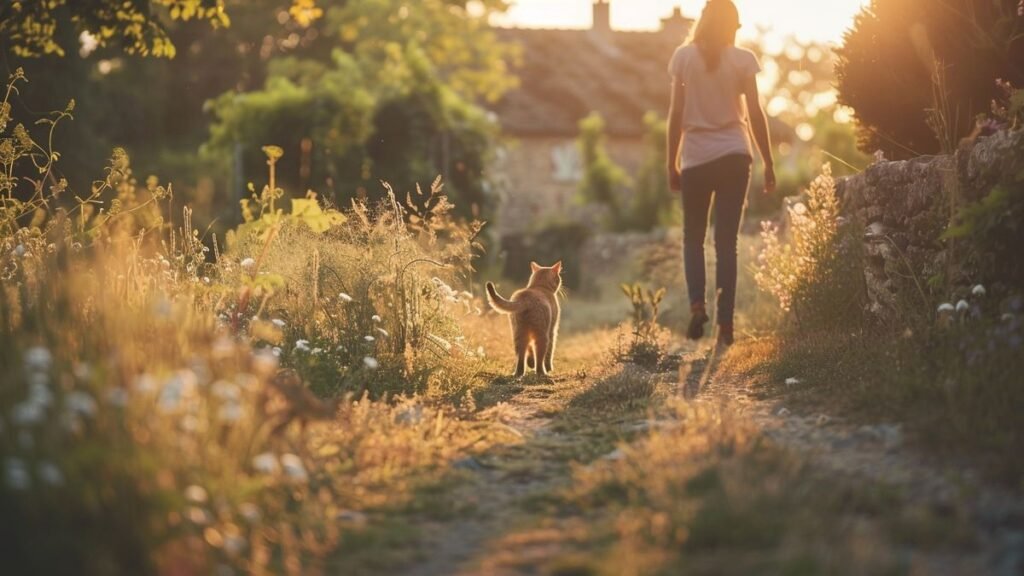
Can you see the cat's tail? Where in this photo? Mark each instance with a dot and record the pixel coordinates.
(499, 303)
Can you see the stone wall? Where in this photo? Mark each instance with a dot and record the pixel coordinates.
(904, 208)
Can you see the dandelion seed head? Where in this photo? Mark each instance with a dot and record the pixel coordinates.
(248, 263)
(978, 291)
(962, 306)
(946, 308)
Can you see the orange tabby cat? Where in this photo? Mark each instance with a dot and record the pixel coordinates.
(534, 314)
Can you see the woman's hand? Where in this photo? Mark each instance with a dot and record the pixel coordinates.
(675, 179)
(769, 179)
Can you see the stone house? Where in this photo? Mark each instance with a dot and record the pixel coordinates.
(564, 76)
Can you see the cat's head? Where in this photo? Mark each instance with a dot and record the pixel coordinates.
(546, 277)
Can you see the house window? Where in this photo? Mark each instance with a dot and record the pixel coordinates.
(568, 166)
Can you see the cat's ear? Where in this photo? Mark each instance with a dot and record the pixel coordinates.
(557, 267)
(534, 266)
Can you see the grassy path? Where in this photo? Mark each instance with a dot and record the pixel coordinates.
(609, 470)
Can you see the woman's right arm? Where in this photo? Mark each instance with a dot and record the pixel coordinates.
(675, 133)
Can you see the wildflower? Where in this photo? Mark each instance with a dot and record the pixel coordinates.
(234, 545)
(382, 332)
(117, 397)
(369, 338)
(39, 393)
(979, 291)
(480, 351)
(265, 362)
(962, 306)
(265, 463)
(375, 318)
(206, 279)
(800, 209)
(302, 345)
(345, 298)
(278, 322)
(144, 383)
(249, 511)
(248, 263)
(317, 351)
(230, 412)
(293, 468)
(371, 363)
(38, 358)
(946, 308)
(80, 403)
(196, 494)
(16, 474)
(50, 474)
(276, 351)
(223, 348)
(27, 413)
(197, 515)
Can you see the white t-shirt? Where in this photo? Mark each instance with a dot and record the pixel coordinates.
(714, 116)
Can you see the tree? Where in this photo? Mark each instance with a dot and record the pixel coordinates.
(603, 179)
(34, 27)
(913, 68)
(394, 101)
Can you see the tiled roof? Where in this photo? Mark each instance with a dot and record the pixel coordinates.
(566, 74)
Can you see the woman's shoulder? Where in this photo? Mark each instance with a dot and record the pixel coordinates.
(745, 59)
(679, 58)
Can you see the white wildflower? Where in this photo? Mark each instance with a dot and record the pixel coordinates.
(371, 363)
(196, 494)
(230, 412)
(293, 468)
(375, 318)
(799, 209)
(962, 306)
(979, 291)
(345, 298)
(302, 345)
(50, 474)
(382, 332)
(248, 263)
(250, 512)
(265, 463)
(27, 413)
(946, 308)
(224, 390)
(39, 393)
(265, 362)
(278, 322)
(206, 279)
(16, 474)
(369, 338)
(316, 351)
(480, 351)
(117, 397)
(276, 351)
(80, 403)
(38, 358)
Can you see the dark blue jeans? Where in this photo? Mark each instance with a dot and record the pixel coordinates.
(727, 180)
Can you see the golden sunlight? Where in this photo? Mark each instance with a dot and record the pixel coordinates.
(817, 20)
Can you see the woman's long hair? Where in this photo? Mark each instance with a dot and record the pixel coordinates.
(716, 31)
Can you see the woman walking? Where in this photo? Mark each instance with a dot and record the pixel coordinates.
(715, 105)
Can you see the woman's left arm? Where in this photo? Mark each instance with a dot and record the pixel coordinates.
(759, 126)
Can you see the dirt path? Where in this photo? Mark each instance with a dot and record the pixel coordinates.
(502, 525)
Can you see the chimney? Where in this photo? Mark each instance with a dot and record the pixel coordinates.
(676, 25)
(602, 16)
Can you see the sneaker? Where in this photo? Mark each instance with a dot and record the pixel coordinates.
(698, 318)
(725, 335)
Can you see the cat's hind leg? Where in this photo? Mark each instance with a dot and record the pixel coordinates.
(549, 358)
(542, 345)
(522, 350)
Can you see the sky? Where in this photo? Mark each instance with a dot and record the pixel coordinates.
(817, 20)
